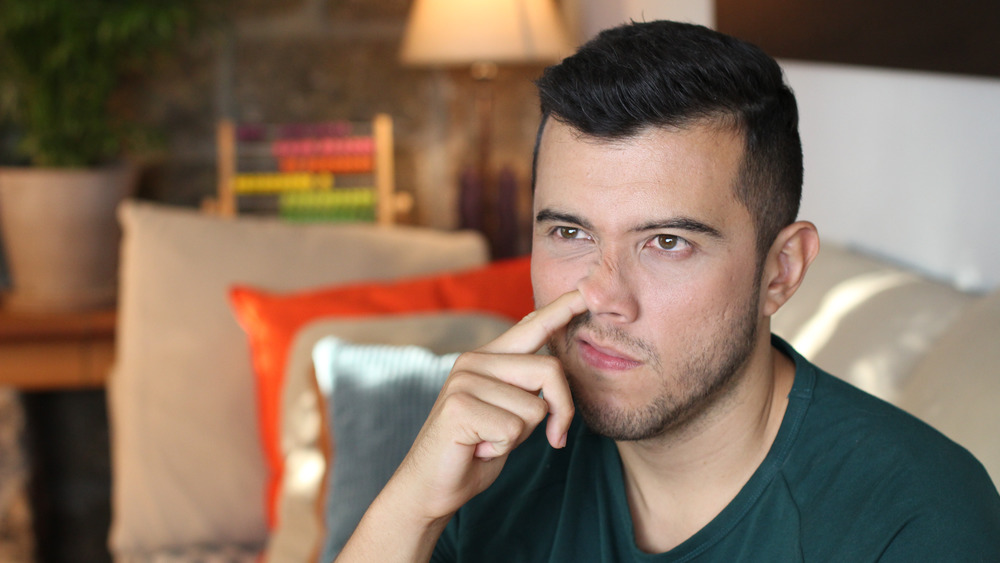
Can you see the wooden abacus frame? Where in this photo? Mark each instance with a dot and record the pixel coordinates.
(388, 202)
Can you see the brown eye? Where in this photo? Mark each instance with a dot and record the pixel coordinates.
(568, 232)
(667, 242)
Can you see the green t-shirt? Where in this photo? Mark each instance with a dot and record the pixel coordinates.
(848, 478)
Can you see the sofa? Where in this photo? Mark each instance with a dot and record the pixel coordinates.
(269, 376)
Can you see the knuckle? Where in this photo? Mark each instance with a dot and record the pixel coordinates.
(551, 363)
(462, 381)
(551, 369)
(464, 360)
(457, 404)
(512, 427)
(539, 408)
(456, 383)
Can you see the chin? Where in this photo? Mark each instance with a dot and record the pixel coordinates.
(608, 413)
(622, 424)
(652, 408)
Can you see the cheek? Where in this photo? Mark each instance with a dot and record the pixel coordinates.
(682, 304)
(551, 278)
(706, 306)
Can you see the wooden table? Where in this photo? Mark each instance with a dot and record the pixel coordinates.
(52, 351)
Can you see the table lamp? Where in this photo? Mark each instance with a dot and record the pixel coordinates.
(481, 34)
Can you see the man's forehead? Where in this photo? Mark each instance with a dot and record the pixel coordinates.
(657, 177)
(657, 154)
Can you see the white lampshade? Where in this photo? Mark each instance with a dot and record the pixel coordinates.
(453, 32)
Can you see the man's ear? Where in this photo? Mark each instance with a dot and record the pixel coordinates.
(793, 250)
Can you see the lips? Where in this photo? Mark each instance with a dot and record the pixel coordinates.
(604, 358)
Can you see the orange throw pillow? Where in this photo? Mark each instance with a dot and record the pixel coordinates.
(272, 320)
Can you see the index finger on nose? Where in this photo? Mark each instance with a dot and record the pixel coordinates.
(533, 331)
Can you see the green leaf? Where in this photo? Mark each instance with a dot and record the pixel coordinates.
(61, 62)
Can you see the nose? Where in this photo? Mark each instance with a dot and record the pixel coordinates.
(608, 291)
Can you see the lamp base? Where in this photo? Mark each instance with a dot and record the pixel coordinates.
(493, 212)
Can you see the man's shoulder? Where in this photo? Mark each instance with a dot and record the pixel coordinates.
(863, 459)
(840, 419)
(841, 412)
(863, 468)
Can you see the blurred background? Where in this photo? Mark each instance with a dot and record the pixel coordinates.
(311, 61)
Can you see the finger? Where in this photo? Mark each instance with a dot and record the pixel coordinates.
(534, 330)
(533, 374)
(490, 430)
(526, 405)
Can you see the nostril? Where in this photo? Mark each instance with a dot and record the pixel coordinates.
(606, 292)
(593, 291)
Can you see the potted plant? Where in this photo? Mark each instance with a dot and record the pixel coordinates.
(61, 64)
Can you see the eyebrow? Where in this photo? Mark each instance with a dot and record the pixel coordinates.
(552, 216)
(683, 224)
(674, 223)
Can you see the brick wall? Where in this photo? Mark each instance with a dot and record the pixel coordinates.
(314, 60)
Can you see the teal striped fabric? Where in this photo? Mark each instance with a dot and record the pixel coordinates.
(377, 397)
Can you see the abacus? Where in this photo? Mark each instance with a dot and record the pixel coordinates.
(333, 171)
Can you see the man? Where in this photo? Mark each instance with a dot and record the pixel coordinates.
(668, 171)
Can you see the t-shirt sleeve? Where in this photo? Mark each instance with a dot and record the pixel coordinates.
(929, 539)
(964, 525)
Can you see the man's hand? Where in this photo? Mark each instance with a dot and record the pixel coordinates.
(493, 399)
(487, 407)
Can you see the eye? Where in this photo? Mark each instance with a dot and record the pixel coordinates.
(669, 242)
(569, 233)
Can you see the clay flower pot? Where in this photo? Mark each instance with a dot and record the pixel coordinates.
(60, 235)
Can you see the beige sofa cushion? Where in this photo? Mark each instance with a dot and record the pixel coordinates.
(865, 320)
(956, 386)
(186, 459)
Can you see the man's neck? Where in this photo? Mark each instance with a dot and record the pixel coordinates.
(678, 482)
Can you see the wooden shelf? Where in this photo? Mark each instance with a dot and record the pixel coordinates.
(56, 350)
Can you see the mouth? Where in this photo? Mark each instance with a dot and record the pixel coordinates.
(604, 358)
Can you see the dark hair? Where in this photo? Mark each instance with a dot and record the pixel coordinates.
(669, 74)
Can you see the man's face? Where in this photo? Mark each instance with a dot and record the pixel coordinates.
(649, 230)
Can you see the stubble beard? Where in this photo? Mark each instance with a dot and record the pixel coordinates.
(699, 382)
